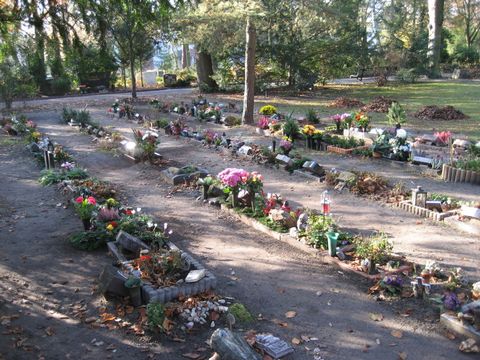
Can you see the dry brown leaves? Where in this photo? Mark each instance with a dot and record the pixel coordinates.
(378, 104)
(345, 102)
(434, 112)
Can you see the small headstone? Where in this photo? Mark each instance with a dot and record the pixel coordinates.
(273, 346)
(130, 242)
(245, 150)
(195, 275)
(302, 222)
(346, 176)
(111, 281)
(284, 159)
(314, 168)
(293, 232)
(456, 74)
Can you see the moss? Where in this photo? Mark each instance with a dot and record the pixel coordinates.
(242, 315)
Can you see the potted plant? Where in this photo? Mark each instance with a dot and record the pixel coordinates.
(233, 179)
(206, 183)
(337, 118)
(286, 146)
(290, 128)
(134, 286)
(396, 115)
(362, 121)
(263, 125)
(308, 131)
(85, 206)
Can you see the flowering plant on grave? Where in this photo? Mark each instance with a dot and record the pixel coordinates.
(85, 206)
(443, 137)
(337, 118)
(67, 166)
(361, 120)
(263, 122)
(30, 124)
(286, 145)
(274, 126)
(233, 178)
(211, 137)
(309, 130)
(112, 225)
(254, 182)
(147, 141)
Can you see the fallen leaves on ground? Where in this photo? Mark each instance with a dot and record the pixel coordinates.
(107, 317)
(290, 314)
(296, 341)
(376, 316)
(402, 356)
(49, 331)
(280, 323)
(396, 333)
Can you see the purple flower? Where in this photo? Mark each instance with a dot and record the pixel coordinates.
(450, 301)
(393, 280)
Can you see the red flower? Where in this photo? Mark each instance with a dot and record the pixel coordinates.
(128, 212)
(145, 258)
(113, 223)
(79, 199)
(91, 200)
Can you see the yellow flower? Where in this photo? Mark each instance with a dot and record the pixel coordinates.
(110, 227)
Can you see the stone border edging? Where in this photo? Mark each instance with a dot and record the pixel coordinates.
(454, 175)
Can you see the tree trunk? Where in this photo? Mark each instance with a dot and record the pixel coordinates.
(205, 71)
(185, 56)
(249, 94)
(124, 76)
(435, 22)
(132, 68)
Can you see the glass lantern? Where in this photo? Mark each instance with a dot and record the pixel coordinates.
(419, 197)
(325, 202)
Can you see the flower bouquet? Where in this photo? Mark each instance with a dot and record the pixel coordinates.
(85, 207)
(362, 121)
(233, 179)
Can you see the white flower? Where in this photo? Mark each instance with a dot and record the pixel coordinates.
(401, 133)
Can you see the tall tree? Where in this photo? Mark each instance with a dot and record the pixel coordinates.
(249, 92)
(435, 23)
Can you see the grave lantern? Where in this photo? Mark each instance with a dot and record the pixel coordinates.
(48, 155)
(419, 197)
(325, 201)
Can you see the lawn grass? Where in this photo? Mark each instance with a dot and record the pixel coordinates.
(463, 95)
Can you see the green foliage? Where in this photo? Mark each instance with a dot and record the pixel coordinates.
(161, 123)
(267, 110)
(155, 315)
(376, 248)
(396, 114)
(60, 86)
(312, 116)
(241, 314)
(464, 55)
(318, 226)
(407, 75)
(344, 143)
(291, 128)
(468, 164)
(89, 240)
(50, 177)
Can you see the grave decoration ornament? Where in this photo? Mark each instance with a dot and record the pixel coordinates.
(419, 197)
